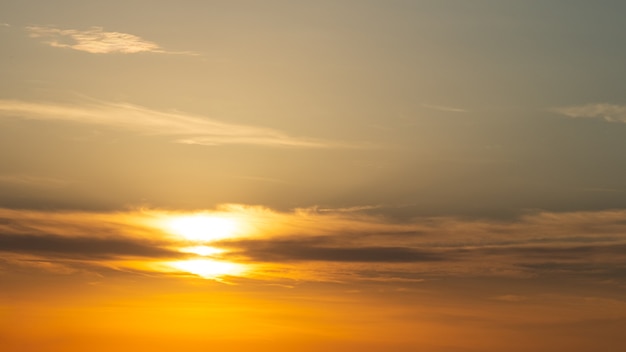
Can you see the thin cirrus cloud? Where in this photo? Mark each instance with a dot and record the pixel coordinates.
(32, 180)
(186, 128)
(607, 112)
(96, 41)
(444, 108)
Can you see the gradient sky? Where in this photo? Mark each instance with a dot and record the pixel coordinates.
(366, 175)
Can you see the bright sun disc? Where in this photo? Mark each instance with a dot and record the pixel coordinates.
(202, 228)
(204, 251)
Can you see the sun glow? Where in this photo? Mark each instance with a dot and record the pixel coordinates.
(208, 268)
(202, 228)
(204, 251)
(194, 234)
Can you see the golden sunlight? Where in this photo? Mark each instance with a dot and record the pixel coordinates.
(194, 233)
(208, 268)
(202, 228)
(204, 251)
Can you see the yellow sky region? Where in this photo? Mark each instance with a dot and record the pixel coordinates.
(189, 322)
(167, 315)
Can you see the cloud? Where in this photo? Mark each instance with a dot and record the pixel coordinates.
(443, 108)
(292, 250)
(558, 252)
(351, 245)
(72, 242)
(86, 248)
(357, 208)
(308, 245)
(607, 112)
(96, 41)
(185, 128)
(30, 180)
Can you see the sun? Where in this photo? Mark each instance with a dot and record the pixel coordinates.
(202, 228)
(204, 251)
(196, 233)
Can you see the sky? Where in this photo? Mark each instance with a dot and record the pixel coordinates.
(351, 175)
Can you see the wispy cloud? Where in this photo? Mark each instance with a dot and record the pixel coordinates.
(325, 249)
(185, 128)
(83, 247)
(96, 41)
(357, 208)
(443, 108)
(339, 245)
(30, 180)
(607, 112)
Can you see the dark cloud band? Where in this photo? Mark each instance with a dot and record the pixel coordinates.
(82, 247)
(316, 250)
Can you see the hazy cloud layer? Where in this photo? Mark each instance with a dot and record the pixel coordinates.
(444, 108)
(95, 40)
(607, 112)
(185, 128)
(579, 244)
(318, 249)
(86, 248)
(31, 180)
